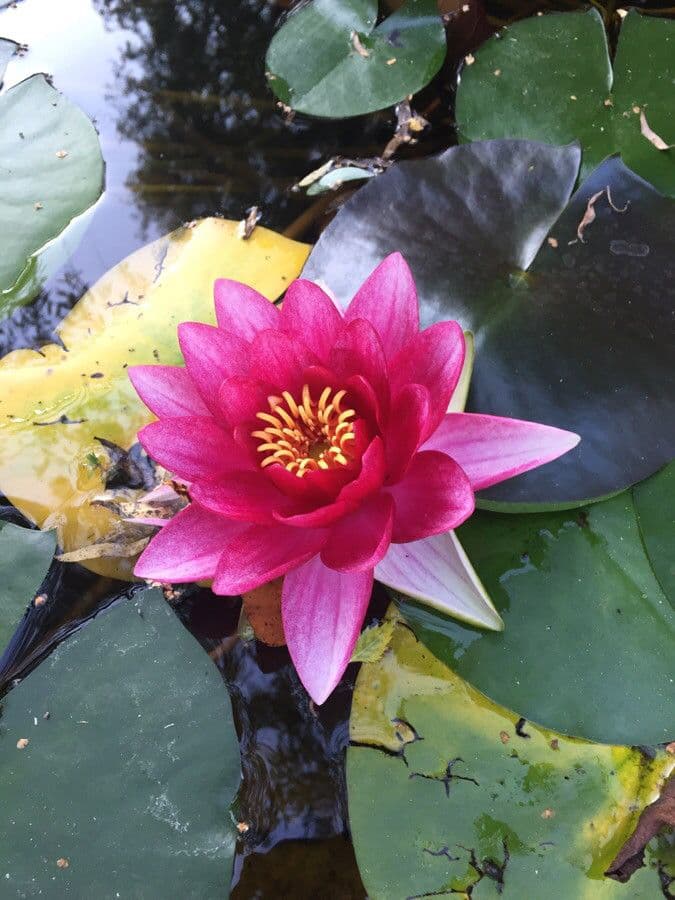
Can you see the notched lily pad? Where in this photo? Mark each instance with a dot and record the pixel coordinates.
(126, 782)
(52, 172)
(588, 641)
(572, 333)
(331, 59)
(57, 404)
(550, 78)
(472, 805)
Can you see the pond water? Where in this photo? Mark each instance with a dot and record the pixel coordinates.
(188, 129)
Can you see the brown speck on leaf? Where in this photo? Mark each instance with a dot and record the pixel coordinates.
(243, 827)
(248, 225)
(497, 72)
(96, 375)
(61, 154)
(40, 600)
(636, 110)
(355, 41)
(37, 205)
(504, 737)
(573, 97)
(469, 59)
(552, 242)
(608, 102)
(548, 813)
(390, 62)
(651, 135)
(554, 744)
(622, 13)
(62, 862)
(288, 111)
(22, 743)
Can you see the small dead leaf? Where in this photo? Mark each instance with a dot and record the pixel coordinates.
(126, 546)
(590, 215)
(390, 62)
(408, 124)
(497, 72)
(22, 743)
(262, 607)
(61, 154)
(622, 13)
(247, 226)
(548, 813)
(552, 242)
(651, 135)
(40, 600)
(636, 110)
(358, 46)
(62, 862)
(554, 744)
(469, 59)
(504, 737)
(37, 205)
(608, 102)
(658, 815)
(243, 827)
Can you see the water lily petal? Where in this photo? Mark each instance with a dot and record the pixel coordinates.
(188, 547)
(433, 358)
(358, 351)
(309, 311)
(280, 360)
(211, 356)
(360, 539)
(434, 496)
(246, 495)
(240, 399)
(388, 300)
(167, 390)
(259, 553)
(241, 311)
(406, 429)
(322, 612)
(491, 449)
(193, 447)
(437, 571)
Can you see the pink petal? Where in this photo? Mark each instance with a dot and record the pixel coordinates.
(434, 496)
(308, 311)
(167, 390)
(437, 571)
(249, 496)
(192, 447)
(406, 429)
(434, 358)
(241, 311)
(388, 300)
(260, 553)
(188, 547)
(280, 360)
(359, 540)
(491, 449)
(358, 351)
(240, 399)
(211, 356)
(368, 481)
(322, 612)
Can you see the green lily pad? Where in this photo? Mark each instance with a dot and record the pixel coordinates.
(331, 59)
(577, 335)
(446, 798)
(25, 556)
(52, 172)
(589, 635)
(550, 78)
(130, 778)
(655, 507)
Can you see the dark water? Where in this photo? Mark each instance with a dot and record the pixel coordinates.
(189, 129)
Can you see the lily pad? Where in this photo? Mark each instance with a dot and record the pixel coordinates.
(550, 78)
(655, 507)
(577, 335)
(589, 634)
(25, 556)
(128, 781)
(331, 59)
(56, 403)
(447, 798)
(52, 172)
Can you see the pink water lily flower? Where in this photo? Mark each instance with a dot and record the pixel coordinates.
(318, 446)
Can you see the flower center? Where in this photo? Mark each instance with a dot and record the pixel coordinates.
(306, 436)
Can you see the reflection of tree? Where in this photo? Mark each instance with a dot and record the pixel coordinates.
(196, 102)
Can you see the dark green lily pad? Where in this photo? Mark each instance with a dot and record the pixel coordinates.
(330, 59)
(52, 172)
(589, 637)
(577, 335)
(131, 776)
(25, 556)
(655, 507)
(447, 798)
(550, 78)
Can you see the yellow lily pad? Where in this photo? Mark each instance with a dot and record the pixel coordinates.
(55, 402)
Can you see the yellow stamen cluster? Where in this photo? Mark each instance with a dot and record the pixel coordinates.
(306, 436)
